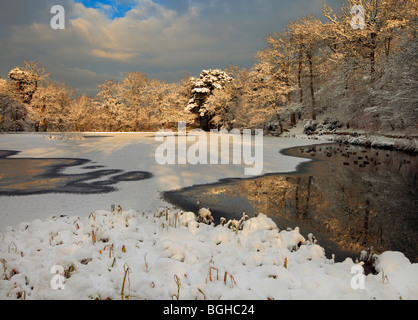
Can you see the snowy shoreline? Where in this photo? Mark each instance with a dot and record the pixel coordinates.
(408, 146)
(379, 141)
(392, 142)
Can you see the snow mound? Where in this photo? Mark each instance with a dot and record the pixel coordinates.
(205, 216)
(261, 223)
(169, 255)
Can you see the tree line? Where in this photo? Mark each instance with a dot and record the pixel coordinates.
(317, 68)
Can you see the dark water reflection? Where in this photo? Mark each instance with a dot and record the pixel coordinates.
(351, 198)
(34, 176)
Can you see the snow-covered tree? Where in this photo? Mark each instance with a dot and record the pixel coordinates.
(111, 103)
(133, 91)
(175, 97)
(307, 35)
(50, 106)
(382, 21)
(141, 104)
(279, 55)
(24, 83)
(359, 86)
(13, 113)
(202, 89)
(266, 93)
(395, 94)
(84, 115)
(280, 64)
(218, 107)
(28, 78)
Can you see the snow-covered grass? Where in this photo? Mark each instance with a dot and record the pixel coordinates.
(168, 255)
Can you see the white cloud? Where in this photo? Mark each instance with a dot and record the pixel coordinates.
(159, 38)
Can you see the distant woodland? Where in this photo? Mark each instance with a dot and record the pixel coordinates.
(316, 69)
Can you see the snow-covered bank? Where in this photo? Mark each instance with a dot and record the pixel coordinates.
(168, 255)
(330, 132)
(409, 146)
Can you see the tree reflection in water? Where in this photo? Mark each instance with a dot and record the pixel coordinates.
(352, 198)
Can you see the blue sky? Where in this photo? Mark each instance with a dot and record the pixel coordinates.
(163, 38)
(118, 8)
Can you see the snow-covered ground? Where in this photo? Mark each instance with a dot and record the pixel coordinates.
(127, 255)
(139, 252)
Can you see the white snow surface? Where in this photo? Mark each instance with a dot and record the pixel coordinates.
(129, 152)
(144, 253)
(167, 255)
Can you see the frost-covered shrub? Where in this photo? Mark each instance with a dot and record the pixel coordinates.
(327, 126)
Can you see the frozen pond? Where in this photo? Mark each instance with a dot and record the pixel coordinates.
(351, 199)
(42, 177)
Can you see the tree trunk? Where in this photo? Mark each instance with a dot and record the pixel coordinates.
(308, 197)
(388, 42)
(309, 56)
(137, 120)
(300, 73)
(297, 207)
(44, 124)
(293, 118)
(373, 57)
(287, 80)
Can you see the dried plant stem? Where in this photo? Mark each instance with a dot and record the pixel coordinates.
(126, 270)
(93, 237)
(146, 264)
(204, 296)
(178, 282)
